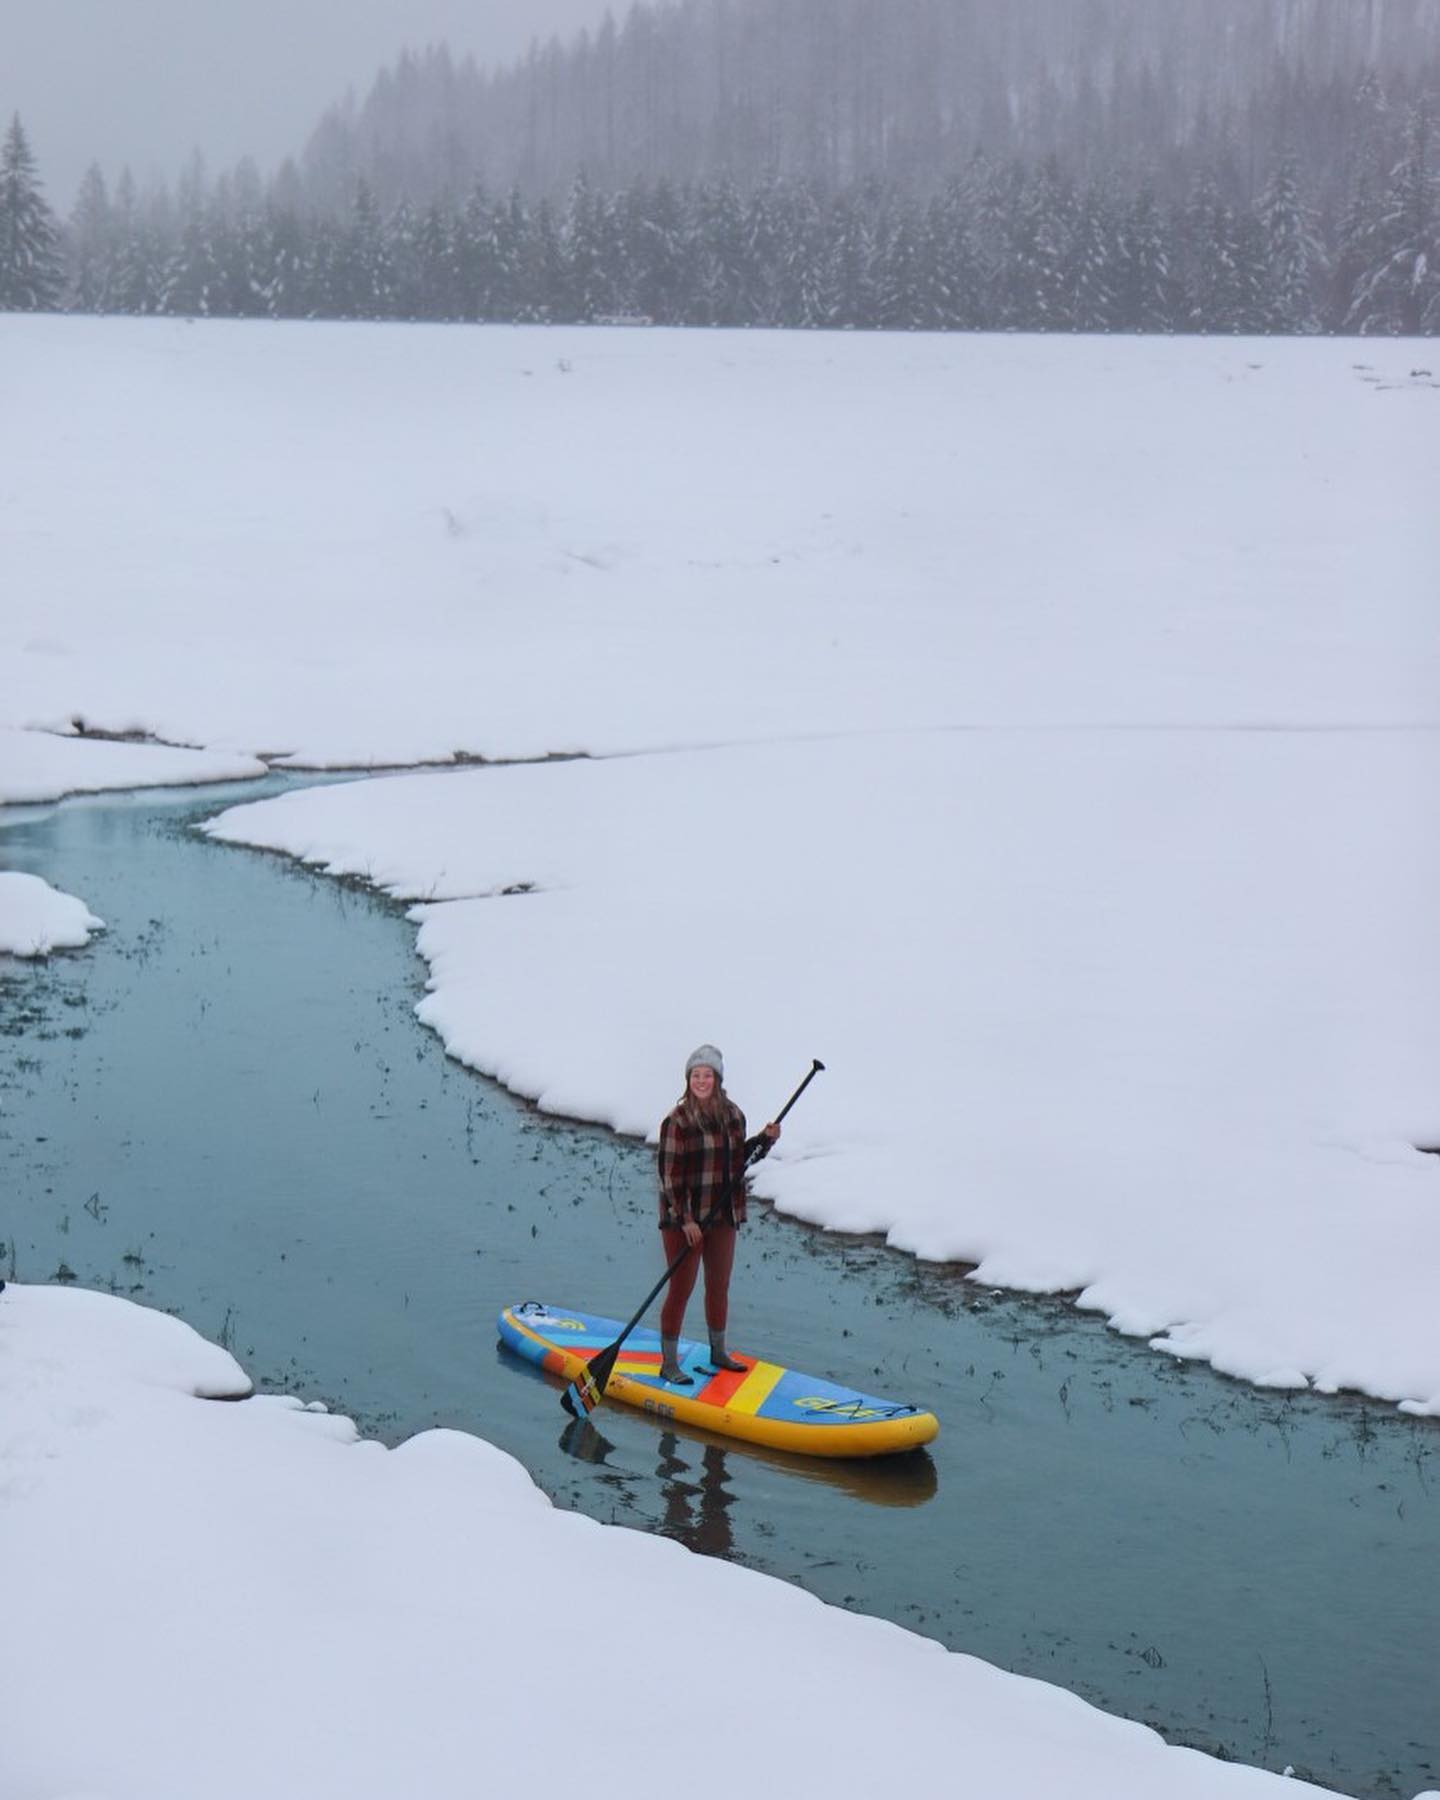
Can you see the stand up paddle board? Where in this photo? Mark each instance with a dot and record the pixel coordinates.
(762, 1403)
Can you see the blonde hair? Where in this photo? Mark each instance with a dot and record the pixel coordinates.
(716, 1104)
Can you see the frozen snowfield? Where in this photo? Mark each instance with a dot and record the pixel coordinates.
(1042, 732)
(368, 545)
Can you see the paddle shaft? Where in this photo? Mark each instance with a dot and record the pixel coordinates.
(816, 1068)
(640, 1312)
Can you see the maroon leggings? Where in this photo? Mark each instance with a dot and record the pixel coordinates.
(717, 1250)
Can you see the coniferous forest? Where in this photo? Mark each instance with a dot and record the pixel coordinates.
(1042, 165)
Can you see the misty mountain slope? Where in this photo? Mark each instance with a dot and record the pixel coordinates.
(843, 90)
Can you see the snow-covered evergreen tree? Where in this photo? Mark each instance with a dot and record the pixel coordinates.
(899, 302)
(1148, 296)
(92, 246)
(508, 258)
(1398, 288)
(406, 298)
(1226, 251)
(136, 277)
(1254, 312)
(1034, 283)
(591, 277)
(999, 195)
(544, 284)
(728, 279)
(852, 257)
(1293, 257)
(244, 249)
(1092, 265)
(31, 273)
(364, 277)
(951, 286)
(194, 280)
(807, 269)
(765, 249)
(284, 250)
(1367, 165)
(327, 282)
(471, 269)
(661, 260)
(287, 283)
(436, 267)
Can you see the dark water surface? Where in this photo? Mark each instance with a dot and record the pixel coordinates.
(225, 1107)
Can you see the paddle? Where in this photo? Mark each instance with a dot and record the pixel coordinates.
(816, 1068)
(585, 1392)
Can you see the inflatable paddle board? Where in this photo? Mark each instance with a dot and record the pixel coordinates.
(762, 1403)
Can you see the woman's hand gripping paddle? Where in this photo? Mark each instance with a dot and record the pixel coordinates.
(587, 1390)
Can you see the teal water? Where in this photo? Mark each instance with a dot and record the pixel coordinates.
(225, 1107)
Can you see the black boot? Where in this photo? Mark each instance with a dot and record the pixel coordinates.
(718, 1357)
(670, 1370)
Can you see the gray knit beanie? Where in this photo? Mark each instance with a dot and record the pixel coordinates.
(710, 1057)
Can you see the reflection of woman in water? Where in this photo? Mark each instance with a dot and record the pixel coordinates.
(703, 1153)
(698, 1515)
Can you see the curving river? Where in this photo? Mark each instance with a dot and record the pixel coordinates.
(226, 1108)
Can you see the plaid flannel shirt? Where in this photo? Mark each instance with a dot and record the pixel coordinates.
(702, 1165)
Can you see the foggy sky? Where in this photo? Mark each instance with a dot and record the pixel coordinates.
(145, 82)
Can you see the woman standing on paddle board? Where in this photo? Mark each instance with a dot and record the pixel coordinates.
(702, 1158)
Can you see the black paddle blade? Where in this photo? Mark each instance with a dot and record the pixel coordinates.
(580, 1398)
(584, 1393)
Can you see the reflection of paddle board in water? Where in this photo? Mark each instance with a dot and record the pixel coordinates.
(875, 1480)
(762, 1402)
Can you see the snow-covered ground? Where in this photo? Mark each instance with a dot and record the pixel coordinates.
(1042, 732)
(36, 918)
(222, 1600)
(43, 765)
(372, 545)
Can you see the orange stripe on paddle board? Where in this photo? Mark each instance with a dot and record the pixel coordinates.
(718, 1390)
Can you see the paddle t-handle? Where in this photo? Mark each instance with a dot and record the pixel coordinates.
(816, 1068)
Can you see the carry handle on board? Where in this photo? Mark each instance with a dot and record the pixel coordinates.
(586, 1391)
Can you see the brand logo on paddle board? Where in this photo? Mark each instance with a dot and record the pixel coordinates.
(533, 1313)
(840, 1409)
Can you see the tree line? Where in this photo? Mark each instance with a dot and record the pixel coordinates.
(1000, 246)
(904, 92)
